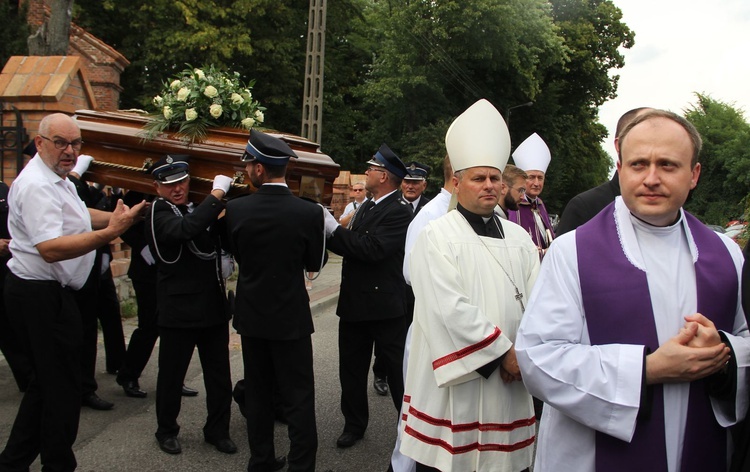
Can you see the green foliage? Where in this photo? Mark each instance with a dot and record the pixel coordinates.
(13, 31)
(566, 111)
(396, 71)
(724, 184)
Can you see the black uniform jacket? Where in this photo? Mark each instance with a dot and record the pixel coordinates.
(135, 237)
(423, 200)
(275, 237)
(189, 292)
(372, 281)
(586, 205)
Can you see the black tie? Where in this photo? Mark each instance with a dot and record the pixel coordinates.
(363, 210)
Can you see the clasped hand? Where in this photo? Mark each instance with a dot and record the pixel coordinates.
(697, 351)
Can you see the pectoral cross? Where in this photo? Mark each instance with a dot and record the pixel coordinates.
(519, 297)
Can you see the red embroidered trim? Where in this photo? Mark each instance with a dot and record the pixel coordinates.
(407, 398)
(469, 447)
(467, 350)
(457, 428)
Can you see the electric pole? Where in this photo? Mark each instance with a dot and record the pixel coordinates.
(312, 102)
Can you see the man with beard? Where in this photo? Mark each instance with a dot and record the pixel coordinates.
(514, 188)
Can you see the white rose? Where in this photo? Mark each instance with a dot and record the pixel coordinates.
(191, 114)
(182, 94)
(175, 84)
(248, 123)
(215, 110)
(259, 116)
(210, 91)
(249, 94)
(158, 100)
(167, 112)
(199, 73)
(237, 99)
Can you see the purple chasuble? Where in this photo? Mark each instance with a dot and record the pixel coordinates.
(618, 310)
(524, 216)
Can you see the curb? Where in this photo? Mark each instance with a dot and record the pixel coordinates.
(318, 307)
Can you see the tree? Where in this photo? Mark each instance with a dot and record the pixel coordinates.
(53, 36)
(397, 71)
(431, 60)
(724, 183)
(566, 111)
(13, 31)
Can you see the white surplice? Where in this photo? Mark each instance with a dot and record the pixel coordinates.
(466, 315)
(598, 388)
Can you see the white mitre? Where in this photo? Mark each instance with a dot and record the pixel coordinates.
(532, 154)
(479, 137)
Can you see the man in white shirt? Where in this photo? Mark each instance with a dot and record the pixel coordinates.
(635, 337)
(359, 194)
(53, 252)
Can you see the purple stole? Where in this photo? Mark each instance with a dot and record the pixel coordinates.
(618, 310)
(524, 216)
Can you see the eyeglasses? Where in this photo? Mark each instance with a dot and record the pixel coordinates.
(520, 190)
(63, 144)
(358, 190)
(376, 169)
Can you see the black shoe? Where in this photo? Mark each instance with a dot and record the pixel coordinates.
(226, 445)
(170, 445)
(380, 386)
(347, 439)
(133, 390)
(189, 392)
(92, 400)
(277, 464)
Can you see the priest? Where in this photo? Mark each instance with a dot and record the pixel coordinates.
(635, 337)
(533, 156)
(465, 407)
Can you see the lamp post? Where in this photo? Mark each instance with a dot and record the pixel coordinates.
(507, 112)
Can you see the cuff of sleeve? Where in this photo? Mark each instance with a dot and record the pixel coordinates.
(647, 393)
(722, 385)
(487, 369)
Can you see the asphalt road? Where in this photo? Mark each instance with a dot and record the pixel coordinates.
(123, 439)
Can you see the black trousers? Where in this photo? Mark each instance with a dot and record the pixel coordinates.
(108, 312)
(378, 367)
(175, 351)
(356, 340)
(98, 302)
(46, 317)
(19, 364)
(288, 364)
(144, 337)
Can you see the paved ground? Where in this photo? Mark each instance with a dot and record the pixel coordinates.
(123, 439)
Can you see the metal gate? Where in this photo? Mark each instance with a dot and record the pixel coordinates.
(11, 138)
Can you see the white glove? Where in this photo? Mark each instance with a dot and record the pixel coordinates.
(82, 164)
(331, 223)
(227, 265)
(147, 256)
(222, 182)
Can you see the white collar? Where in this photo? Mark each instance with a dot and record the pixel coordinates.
(629, 242)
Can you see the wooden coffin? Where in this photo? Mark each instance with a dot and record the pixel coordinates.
(120, 154)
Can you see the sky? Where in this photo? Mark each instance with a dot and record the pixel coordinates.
(681, 47)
